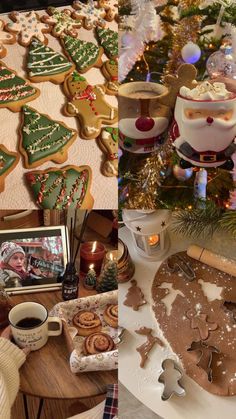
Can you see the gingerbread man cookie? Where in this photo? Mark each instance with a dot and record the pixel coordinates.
(88, 104)
(89, 14)
(26, 26)
(5, 38)
(111, 8)
(8, 162)
(61, 22)
(108, 142)
(110, 72)
(68, 187)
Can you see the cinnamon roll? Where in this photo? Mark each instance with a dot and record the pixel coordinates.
(110, 315)
(87, 322)
(97, 343)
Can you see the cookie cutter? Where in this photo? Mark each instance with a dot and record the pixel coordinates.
(171, 380)
(176, 263)
(120, 337)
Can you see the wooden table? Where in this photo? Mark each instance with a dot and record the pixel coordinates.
(46, 373)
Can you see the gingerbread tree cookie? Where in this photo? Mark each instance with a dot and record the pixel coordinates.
(64, 188)
(45, 64)
(61, 22)
(5, 39)
(27, 25)
(8, 161)
(88, 104)
(109, 41)
(89, 15)
(134, 297)
(43, 139)
(84, 54)
(108, 142)
(110, 72)
(14, 90)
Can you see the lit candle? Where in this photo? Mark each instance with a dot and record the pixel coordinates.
(153, 240)
(90, 279)
(91, 253)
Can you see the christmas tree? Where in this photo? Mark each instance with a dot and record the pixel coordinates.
(108, 278)
(45, 63)
(189, 31)
(90, 279)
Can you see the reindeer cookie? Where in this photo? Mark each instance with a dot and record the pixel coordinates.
(88, 104)
(108, 142)
(110, 72)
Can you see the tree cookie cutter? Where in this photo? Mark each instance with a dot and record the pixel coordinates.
(170, 377)
(176, 263)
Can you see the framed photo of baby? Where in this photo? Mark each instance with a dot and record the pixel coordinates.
(32, 258)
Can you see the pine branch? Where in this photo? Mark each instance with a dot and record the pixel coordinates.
(228, 222)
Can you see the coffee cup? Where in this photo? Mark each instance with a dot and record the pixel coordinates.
(31, 326)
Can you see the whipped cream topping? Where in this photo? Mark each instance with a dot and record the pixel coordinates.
(206, 91)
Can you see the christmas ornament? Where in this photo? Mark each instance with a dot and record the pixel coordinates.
(108, 278)
(191, 53)
(182, 174)
(222, 63)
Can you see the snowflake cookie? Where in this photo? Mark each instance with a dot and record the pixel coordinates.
(26, 26)
(61, 22)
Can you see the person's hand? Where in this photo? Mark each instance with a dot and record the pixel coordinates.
(7, 334)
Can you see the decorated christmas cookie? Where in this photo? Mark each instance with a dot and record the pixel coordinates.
(68, 187)
(88, 104)
(111, 8)
(108, 142)
(45, 64)
(5, 39)
(27, 25)
(84, 54)
(14, 90)
(61, 22)
(43, 139)
(197, 318)
(109, 41)
(89, 14)
(8, 162)
(110, 72)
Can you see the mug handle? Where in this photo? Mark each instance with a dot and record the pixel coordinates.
(59, 322)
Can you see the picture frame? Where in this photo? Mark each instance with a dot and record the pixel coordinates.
(45, 253)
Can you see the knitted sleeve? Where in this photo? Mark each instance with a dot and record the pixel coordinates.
(11, 359)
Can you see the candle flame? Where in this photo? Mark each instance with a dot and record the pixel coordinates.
(111, 256)
(91, 266)
(94, 247)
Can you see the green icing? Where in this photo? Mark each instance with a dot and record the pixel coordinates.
(42, 137)
(84, 54)
(113, 132)
(62, 21)
(44, 61)
(6, 161)
(59, 189)
(109, 41)
(13, 87)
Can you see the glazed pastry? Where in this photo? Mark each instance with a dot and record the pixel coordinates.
(87, 322)
(97, 343)
(110, 315)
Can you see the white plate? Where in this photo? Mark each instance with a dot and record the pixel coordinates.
(143, 383)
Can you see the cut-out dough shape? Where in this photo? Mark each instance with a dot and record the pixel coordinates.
(199, 321)
(146, 347)
(170, 297)
(134, 296)
(211, 291)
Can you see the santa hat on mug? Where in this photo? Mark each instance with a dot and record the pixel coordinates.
(8, 249)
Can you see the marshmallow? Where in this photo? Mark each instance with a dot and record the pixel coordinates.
(206, 91)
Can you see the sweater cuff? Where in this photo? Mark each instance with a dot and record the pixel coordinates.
(13, 351)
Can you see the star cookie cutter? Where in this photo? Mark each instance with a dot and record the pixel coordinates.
(176, 263)
(170, 377)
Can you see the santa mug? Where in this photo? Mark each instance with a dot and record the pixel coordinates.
(31, 326)
(205, 127)
(142, 119)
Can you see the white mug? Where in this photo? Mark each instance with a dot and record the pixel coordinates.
(34, 336)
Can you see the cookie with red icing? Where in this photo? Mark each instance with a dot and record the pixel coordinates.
(88, 104)
(108, 142)
(68, 187)
(110, 72)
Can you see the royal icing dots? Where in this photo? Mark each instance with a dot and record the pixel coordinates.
(28, 26)
(62, 22)
(91, 15)
(84, 54)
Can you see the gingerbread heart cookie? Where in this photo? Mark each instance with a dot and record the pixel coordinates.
(68, 187)
(26, 26)
(108, 142)
(42, 139)
(110, 72)
(14, 90)
(89, 15)
(88, 104)
(108, 39)
(84, 54)
(61, 22)
(8, 161)
(45, 64)
(197, 318)
(6, 38)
